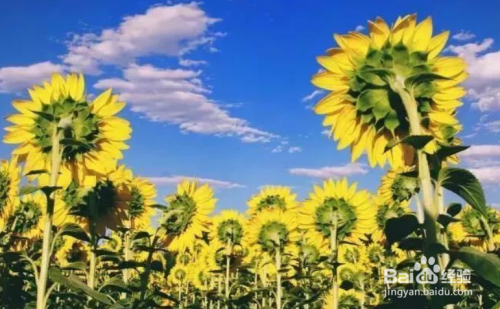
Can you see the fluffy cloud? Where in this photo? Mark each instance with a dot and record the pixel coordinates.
(484, 70)
(191, 63)
(487, 175)
(312, 95)
(463, 36)
(13, 79)
(162, 30)
(331, 171)
(179, 97)
(294, 149)
(174, 180)
(479, 156)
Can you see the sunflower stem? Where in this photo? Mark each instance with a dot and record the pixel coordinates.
(145, 279)
(279, 291)
(489, 233)
(228, 268)
(334, 244)
(56, 158)
(430, 209)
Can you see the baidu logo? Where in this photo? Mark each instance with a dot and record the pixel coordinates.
(426, 271)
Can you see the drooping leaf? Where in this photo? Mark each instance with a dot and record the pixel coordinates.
(74, 230)
(464, 184)
(28, 189)
(454, 209)
(74, 283)
(418, 79)
(416, 141)
(398, 228)
(486, 265)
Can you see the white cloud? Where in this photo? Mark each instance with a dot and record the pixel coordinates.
(179, 97)
(482, 151)
(13, 79)
(294, 149)
(326, 132)
(493, 126)
(360, 28)
(331, 171)
(312, 95)
(161, 30)
(174, 180)
(277, 149)
(191, 63)
(484, 70)
(487, 175)
(464, 36)
(478, 156)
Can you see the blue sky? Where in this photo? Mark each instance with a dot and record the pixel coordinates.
(220, 90)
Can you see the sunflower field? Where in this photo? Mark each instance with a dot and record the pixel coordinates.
(79, 230)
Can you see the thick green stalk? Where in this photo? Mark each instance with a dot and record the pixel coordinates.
(56, 158)
(430, 209)
(279, 288)
(229, 251)
(333, 245)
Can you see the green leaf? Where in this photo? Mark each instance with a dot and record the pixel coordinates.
(382, 105)
(74, 142)
(75, 266)
(486, 265)
(369, 98)
(44, 115)
(416, 141)
(398, 228)
(377, 77)
(446, 151)
(75, 231)
(411, 243)
(49, 190)
(28, 190)
(445, 220)
(417, 79)
(74, 283)
(36, 172)
(401, 57)
(464, 184)
(454, 209)
(391, 122)
(115, 284)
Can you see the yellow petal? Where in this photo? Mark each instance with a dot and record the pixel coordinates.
(17, 137)
(423, 34)
(80, 88)
(330, 81)
(437, 44)
(379, 32)
(449, 66)
(330, 103)
(20, 119)
(101, 100)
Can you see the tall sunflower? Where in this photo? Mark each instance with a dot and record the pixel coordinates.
(9, 189)
(365, 112)
(338, 206)
(471, 230)
(228, 227)
(386, 211)
(142, 198)
(397, 188)
(272, 197)
(91, 136)
(186, 217)
(273, 230)
(103, 206)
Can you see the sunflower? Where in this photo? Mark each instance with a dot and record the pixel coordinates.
(273, 230)
(272, 197)
(384, 213)
(470, 230)
(179, 275)
(347, 299)
(186, 217)
(103, 206)
(142, 198)
(364, 110)
(310, 250)
(9, 189)
(92, 137)
(352, 254)
(398, 188)
(228, 227)
(28, 215)
(71, 250)
(338, 204)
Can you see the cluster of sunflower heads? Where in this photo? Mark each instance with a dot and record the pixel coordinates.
(97, 231)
